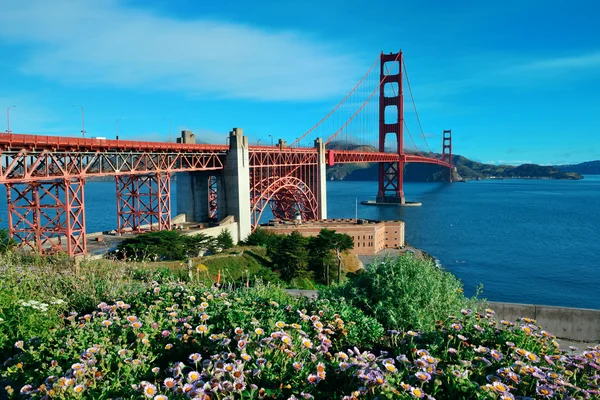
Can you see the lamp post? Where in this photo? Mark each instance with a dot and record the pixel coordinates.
(271, 136)
(82, 119)
(8, 119)
(258, 142)
(117, 123)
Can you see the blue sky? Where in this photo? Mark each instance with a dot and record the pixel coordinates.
(515, 81)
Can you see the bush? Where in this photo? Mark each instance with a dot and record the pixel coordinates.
(164, 246)
(404, 293)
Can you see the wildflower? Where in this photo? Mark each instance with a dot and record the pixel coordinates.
(239, 386)
(496, 355)
(499, 387)
(169, 383)
(241, 344)
(307, 343)
(107, 323)
(136, 325)
(313, 379)
(131, 318)
(259, 331)
(456, 326)
(482, 350)
(155, 370)
(417, 392)
(122, 352)
(532, 357)
(150, 390)
(297, 366)
(201, 329)
(161, 397)
(423, 376)
(19, 344)
(195, 357)
(193, 376)
(26, 389)
(544, 391)
(391, 367)
(79, 389)
(168, 346)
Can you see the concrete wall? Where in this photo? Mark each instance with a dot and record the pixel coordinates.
(236, 183)
(228, 224)
(578, 324)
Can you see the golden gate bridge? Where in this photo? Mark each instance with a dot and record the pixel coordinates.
(45, 175)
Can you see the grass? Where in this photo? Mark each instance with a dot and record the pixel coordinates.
(134, 330)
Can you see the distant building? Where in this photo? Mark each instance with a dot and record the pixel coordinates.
(370, 237)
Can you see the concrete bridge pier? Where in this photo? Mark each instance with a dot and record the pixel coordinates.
(321, 179)
(232, 186)
(236, 183)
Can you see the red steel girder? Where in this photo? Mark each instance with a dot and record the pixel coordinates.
(143, 202)
(43, 215)
(28, 166)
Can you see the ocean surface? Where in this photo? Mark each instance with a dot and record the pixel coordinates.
(525, 241)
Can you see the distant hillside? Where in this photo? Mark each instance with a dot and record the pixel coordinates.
(465, 170)
(584, 168)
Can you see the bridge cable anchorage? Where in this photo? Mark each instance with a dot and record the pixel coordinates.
(360, 108)
(416, 112)
(405, 125)
(337, 106)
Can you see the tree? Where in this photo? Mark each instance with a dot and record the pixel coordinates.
(324, 245)
(263, 237)
(163, 245)
(224, 240)
(290, 256)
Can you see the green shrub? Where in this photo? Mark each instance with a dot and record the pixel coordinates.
(164, 246)
(404, 293)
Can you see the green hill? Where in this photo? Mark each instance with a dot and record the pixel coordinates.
(465, 170)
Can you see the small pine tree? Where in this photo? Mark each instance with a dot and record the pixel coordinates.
(225, 240)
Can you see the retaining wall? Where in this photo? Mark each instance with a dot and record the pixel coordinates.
(579, 324)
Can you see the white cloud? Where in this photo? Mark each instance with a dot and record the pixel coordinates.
(99, 43)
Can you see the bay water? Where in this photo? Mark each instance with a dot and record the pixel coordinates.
(525, 241)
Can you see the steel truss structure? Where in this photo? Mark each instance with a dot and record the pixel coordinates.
(41, 215)
(143, 202)
(287, 181)
(213, 199)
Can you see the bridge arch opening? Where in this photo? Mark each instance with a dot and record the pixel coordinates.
(286, 197)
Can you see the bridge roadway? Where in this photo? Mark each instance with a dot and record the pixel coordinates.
(27, 158)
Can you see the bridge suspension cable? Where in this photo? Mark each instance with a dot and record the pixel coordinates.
(340, 104)
(378, 87)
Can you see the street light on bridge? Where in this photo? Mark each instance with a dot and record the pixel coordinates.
(8, 118)
(82, 119)
(271, 136)
(258, 142)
